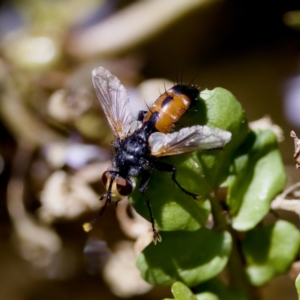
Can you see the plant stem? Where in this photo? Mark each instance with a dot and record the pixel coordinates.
(236, 271)
(220, 222)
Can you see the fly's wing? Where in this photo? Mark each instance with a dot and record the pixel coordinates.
(188, 139)
(114, 101)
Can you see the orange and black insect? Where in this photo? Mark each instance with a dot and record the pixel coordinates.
(171, 105)
(139, 143)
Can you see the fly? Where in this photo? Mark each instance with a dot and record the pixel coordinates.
(139, 143)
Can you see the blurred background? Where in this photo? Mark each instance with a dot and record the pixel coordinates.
(55, 142)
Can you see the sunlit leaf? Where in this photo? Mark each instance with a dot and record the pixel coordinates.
(258, 176)
(297, 283)
(182, 292)
(207, 296)
(189, 257)
(270, 250)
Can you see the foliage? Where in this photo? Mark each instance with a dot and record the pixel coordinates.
(192, 253)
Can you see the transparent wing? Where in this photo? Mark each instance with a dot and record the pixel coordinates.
(188, 139)
(114, 101)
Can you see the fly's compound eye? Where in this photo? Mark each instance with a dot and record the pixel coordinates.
(124, 186)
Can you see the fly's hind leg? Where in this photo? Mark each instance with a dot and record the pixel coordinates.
(143, 187)
(165, 167)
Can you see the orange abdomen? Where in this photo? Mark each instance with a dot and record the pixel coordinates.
(171, 105)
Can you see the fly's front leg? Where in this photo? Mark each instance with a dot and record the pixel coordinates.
(165, 167)
(145, 178)
(107, 197)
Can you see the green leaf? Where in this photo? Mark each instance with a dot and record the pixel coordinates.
(197, 172)
(270, 250)
(189, 257)
(220, 291)
(182, 292)
(207, 296)
(225, 112)
(297, 283)
(213, 289)
(172, 209)
(219, 109)
(258, 176)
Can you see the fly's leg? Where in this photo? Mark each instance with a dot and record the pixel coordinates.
(107, 197)
(165, 167)
(143, 187)
(108, 201)
(141, 115)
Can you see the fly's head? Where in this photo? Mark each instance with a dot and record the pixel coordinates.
(117, 187)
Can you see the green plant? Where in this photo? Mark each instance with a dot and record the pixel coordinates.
(194, 251)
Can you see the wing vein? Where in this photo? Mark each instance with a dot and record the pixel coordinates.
(188, 139)
(113, 99)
